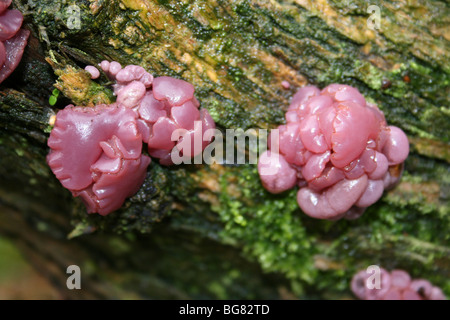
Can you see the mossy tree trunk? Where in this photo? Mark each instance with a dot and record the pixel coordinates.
(212, 231)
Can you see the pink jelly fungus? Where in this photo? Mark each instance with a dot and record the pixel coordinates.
(10, 23)
(175, 92)
(342, 151)
(286, 85)
(13, 40)
(400, 279)
(286, 177)
(394, 285)
(93, 71)
(96, 152)
(164, 105)
(4, 4)
(422, 287)
(364, 287)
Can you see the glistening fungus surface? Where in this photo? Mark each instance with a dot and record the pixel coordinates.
(13, 39)
(338, 149)
(394, 285)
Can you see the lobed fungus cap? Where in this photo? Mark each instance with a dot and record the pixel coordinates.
(394, 285)
(13, 40)
(96, 154)
(341, 150)
(163, 105)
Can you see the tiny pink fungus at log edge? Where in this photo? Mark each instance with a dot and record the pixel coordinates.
(341, 149)
(394, 285)
(96, 152)
(286, 85)
(13, 39)
(93, 71)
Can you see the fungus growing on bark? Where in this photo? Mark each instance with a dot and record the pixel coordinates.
(340, 149)
(13, 40)
(396, 285)
(163, 105)
(96, 153)
(93, 71)
(286, 85)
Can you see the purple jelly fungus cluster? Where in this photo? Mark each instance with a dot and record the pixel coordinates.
(96, 152)
(164, 105)
(394, 285)
(13, 39)
(337, 148)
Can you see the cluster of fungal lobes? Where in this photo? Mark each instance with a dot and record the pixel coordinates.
(338, 149)
(394, 285)
(96, 152)
(13, 39)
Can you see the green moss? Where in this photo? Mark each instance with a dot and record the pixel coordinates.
(273, 231)
(372, 76)
(269, 229)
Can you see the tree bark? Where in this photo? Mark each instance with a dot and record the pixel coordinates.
(198, 231)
